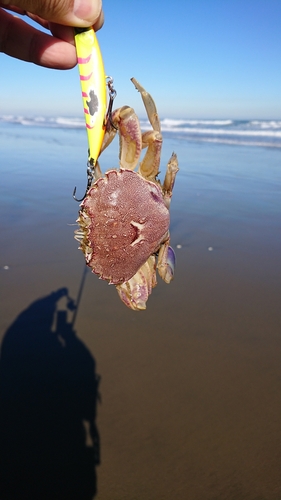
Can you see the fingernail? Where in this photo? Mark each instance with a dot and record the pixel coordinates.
(87, 10)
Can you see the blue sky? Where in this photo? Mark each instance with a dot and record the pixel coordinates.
(198, 58)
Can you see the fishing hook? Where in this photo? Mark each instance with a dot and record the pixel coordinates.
(112, 94)
(90, 176)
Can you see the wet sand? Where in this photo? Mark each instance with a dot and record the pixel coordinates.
(185, 396)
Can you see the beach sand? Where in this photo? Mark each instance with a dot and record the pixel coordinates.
(181, 401)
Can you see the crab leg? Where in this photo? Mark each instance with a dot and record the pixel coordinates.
(166, 262)
(171, 172)
(130, 137)
(126, 122)
(149, 167)
(149, 106)
(135, 292)
(109, 135)
(152, 140)
(132, 141)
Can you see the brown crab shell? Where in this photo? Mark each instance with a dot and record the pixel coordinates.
(123, 221)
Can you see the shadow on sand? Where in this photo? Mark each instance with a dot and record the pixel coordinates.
(49, 389)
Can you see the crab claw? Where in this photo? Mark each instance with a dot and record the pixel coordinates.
(130, 137)
(135, 292)
(166, 263)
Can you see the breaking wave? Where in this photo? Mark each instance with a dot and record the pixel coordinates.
(241, 132)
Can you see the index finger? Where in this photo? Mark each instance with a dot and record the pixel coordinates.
(19, 39)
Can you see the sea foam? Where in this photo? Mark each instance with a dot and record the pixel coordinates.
(228, 131)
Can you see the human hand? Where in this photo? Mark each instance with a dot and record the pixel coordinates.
(19, 39)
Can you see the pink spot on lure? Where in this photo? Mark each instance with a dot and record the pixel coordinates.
(86, 111)
(84, 60)
(89, 126)
(84, 94)
(86, 77)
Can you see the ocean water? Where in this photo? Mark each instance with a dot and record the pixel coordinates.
(229, 183)
(189, 389)
(229, 172)
(237, 132)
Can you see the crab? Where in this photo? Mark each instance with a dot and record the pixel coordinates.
(124, 218)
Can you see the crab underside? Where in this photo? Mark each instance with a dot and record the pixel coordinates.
(124, 218)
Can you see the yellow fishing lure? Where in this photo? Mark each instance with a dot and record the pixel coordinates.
(93, 85)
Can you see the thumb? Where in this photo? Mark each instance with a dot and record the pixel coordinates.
(80, 13)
